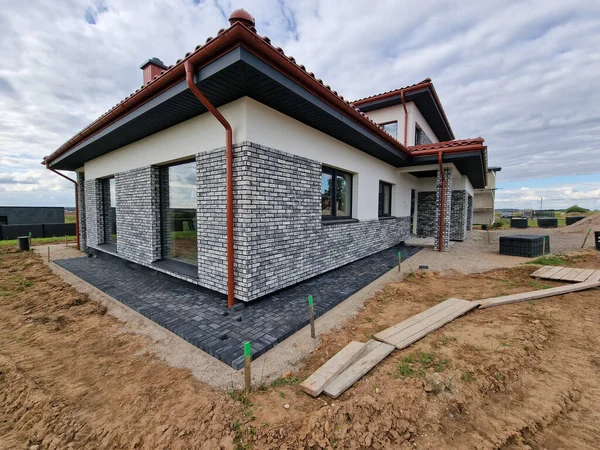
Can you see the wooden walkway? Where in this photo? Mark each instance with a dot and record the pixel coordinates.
(411, 330)
(558, 273)
(356, 359)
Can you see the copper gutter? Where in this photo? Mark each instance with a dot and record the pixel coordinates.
(405, 118)
(442, 201)
(76, 201)
(189, 76)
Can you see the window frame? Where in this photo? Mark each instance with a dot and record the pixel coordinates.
(334, 173)
(165, 220)
(105, 190)
(380, 213)
(383, 124)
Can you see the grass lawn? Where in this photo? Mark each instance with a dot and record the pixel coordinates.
(39, 241)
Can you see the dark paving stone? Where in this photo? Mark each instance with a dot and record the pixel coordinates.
(198, 316)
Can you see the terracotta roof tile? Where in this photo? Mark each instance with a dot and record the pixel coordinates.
(415, 149)
(425, 81)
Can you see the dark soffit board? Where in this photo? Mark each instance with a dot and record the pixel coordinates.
(468, 163)
(234, 75)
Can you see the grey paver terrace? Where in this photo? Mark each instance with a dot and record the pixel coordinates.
(200, 316)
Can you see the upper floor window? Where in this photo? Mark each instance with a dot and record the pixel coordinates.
(336, 194)
(420, 136)
(385, 199)
(391, 127)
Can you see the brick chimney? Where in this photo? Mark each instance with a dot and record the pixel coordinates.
(151, 68)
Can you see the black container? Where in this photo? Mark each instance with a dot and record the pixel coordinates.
(597, 237)
(547, 222)
(484, 227)
(572, 220)
(528, 246)
(24, 243)
(518, 222)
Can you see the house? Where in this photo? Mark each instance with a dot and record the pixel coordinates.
(284, 181)
(484, 200)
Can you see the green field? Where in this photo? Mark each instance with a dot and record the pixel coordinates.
(40, 241)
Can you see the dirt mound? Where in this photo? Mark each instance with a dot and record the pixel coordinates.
(592, 221)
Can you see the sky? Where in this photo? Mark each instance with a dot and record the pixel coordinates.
(521, 74)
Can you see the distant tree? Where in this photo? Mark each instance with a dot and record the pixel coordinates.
(576, 209)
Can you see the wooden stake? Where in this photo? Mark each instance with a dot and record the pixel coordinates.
(399, 261)
(586, 236)
(247, 362)
(65, 240)
(30, 240)
(48, 254)
(488, 234)
(311, 313)
(544, 246)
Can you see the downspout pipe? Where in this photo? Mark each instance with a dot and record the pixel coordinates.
(405, 118)
(442, 201)
(76, 200)
(189, 76)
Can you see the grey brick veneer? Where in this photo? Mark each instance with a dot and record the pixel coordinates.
(280, 238)
(447, 209)
(138, 215)
(94, 217)
(470, 213)
(426, 214)
(459, 216)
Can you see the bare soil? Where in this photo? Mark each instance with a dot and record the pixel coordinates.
(512, 377)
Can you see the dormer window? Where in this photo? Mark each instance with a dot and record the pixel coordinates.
(391, 127)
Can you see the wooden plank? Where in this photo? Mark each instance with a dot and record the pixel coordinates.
(552, 271)
(559, 274)
(409, 336)
(563, 274)
(525, 296)
(572, 274)
(594, 278)
(541, 271)
(583, 276)
(315, 384)
(357, 370)
(383, 335)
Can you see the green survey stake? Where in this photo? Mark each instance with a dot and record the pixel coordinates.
(247, 348)
(310, 300)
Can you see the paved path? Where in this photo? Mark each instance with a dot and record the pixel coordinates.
(201, 316)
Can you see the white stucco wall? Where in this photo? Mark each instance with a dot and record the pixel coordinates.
(184, 140)
(396, 113)
(271, 128)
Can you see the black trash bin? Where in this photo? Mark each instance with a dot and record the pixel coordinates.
(24, 243)
(597, 237)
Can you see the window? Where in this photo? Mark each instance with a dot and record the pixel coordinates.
(336, 194)
(109, 206)
(420, 136)
(385, 199)
(178, 200)
(391, 127)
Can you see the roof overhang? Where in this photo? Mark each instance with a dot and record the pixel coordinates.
(424, 96)
(250, 67)
(469, 163)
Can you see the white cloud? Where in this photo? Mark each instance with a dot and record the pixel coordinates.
(586, 195)
(522, 74)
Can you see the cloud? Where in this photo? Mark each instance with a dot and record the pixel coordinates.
(520, 74)
(586, 195)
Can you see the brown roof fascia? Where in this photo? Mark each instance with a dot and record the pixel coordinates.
(214, 48)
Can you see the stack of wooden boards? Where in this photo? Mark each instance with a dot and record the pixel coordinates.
(356, 359)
